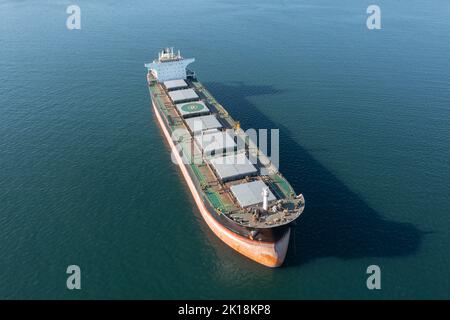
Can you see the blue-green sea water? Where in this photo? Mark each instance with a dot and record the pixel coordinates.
(86, 178)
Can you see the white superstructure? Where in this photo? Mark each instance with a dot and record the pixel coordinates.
(169, 66)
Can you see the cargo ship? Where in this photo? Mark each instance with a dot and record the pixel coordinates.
(239, 191)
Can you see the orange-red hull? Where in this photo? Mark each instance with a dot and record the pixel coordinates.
(270, 254)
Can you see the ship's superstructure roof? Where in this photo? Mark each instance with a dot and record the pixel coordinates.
(233, 167)
(169, 66)
(175, 84)
(183, 95)
(250, 193)
(203, 123)
(214, 142)
(192, 109)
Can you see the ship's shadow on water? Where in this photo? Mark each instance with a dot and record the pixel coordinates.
(336, 222)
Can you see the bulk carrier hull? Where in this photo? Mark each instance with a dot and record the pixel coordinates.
(247, 204)
(268, 253)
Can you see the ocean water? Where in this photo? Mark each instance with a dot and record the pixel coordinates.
(86, 177)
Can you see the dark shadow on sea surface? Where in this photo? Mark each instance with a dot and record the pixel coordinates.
(336, 221)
